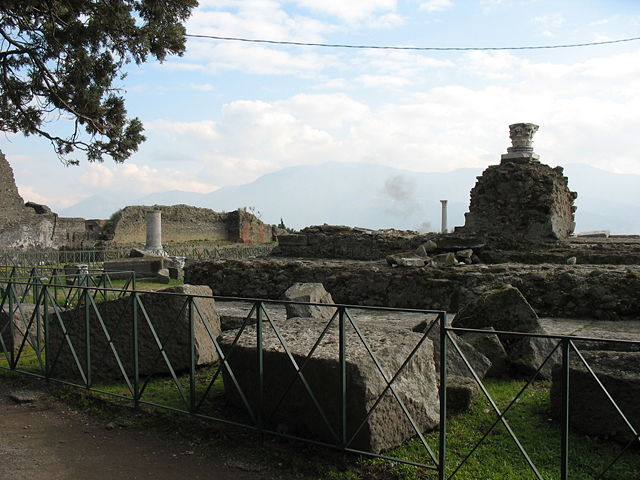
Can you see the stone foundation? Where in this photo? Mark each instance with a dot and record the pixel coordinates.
(561, 291)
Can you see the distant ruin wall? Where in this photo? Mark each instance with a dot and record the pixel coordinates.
(35, 226)
(184, 223)
(330, 241)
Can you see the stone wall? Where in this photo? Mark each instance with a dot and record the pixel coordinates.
(564, 291)
(521, 200)
(331, 241)
(35, 226)
(184, 223)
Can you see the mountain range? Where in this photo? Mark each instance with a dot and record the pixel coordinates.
(376, 196)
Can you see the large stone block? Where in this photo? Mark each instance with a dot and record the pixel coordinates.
(168, 314)
(25, 319)
(142, 267)
(294, 411)
(506, 309)
(591, 412)
(309, 293)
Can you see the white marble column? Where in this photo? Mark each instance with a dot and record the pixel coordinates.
(444, 216)
(154, 232)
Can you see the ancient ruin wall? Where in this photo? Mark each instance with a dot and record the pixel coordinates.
(522, 202)
(31, 225)
(567, 291)
(184, 223)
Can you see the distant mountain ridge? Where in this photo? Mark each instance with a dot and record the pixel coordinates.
(377, 196)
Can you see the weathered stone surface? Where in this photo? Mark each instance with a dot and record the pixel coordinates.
(167, 311)
(185, 223)
(426, 248)
(136, 253)
(443, 260)
(143, 267)
(590, 411)
(176, 273)
(163, 275)
(560, 291)
(455, 363)
(461, 392)
(503, 308)
(507, 310)
(411, 262)
(489, 345)
(310, 293)
(385, 428)
(25, 318)
(521, 202)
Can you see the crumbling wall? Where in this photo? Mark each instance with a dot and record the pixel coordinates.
(521, 202)
(184, 223)
(32, 225)
(336, 241)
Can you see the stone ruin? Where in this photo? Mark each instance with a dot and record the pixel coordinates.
(29, 224)
(521, 199)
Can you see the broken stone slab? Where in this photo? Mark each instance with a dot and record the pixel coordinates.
(443, 260)
(426, 248)
(591, 412)
(411, 262)
(455, 364)
(490, 346)
(168, 313)
(163, 275)
(385, 428)
(310, 293)
(136, 253)
(506, 309)
(25, 396)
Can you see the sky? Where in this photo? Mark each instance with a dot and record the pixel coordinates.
(228, 112)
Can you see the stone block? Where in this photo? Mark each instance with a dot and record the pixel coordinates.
(411, 262)
(507, 310)
(23, 317)
(311, 293)
(455, 363)
(163, 275)
(293, 240)
(168, 313)
(443, 260)
(591, 412)
(490, 346)
(294, 411)
(145, 267)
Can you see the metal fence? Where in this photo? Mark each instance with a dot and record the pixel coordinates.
(124, 347)
(94, 257)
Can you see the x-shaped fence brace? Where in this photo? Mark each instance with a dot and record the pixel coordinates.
(135, 305)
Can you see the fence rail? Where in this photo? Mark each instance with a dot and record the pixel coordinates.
(94, 257)
(123, 347)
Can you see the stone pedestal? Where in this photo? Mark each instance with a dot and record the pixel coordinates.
(521, 200)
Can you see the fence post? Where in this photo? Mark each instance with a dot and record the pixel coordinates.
(442, 447)
(192, 358)
(12, 332)
(83, 282)
(136, 359)
(45, 306)
(259, 416)
(564, 446)
(342, 359)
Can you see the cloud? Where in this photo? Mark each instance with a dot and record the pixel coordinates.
(386, 81)
(436, 5)
(349, 11)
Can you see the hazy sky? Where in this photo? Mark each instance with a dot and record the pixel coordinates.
(228, 112)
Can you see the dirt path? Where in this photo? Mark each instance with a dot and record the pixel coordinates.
(44, 439)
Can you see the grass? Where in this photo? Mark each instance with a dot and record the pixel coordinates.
(497, 458)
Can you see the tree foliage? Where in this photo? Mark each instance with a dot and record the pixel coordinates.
(63, 58)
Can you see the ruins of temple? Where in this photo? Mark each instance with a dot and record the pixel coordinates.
(521, 199)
